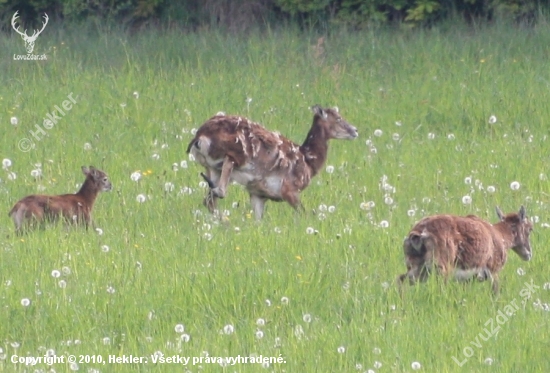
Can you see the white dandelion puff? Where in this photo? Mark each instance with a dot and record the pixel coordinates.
(36, 173)
(168, 187)
(377, 365)
(285, 301)
(376, 351)
(25, 302)
(268, 302)
(310, 230)
(431, 136)
(99, 231)
(228, 329)
(520, 272)
(488, 361)
(341, 349)
(6, 163)
(141, 198)
(155, 156)
(451, 136)
(329, 169)
(135, 176)
(331, 209)
(388, 200)
(468, 180)
(87, 146)
(491, 189)
(12, 176)
(106, 341)
(384, 224)
(14, 121)
(322, 207)
(111, 290)
(185, 338)
(411, 213)
(105, 248)
(260, 322)
(395, 137)
(378, 133)
(416, 365)
(56, 273)
(466, 200)
(492, 119)
(306, 317)
(179, 328)
(183, 164)
(259, 334)
(514, 185)
(136, 95)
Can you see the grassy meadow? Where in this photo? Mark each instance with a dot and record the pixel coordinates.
(448, 119)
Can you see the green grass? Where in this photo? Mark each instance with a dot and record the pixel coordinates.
(168, 262)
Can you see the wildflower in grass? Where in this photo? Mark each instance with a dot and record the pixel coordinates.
(514, 185)
(329, 169)
(135, 176)
(367, 205)
(259, 334)
(520, 272)
(168, 187)
(431, 136)
(6, 163)
(99, 231)
(376, 351)
(185, 338)
(14, 121)
(15, 344)
(175, 167)
(384, 224)
(73, 366)
(12, 176)
(416, 365)
(377, 365)
(321, 216)
(331, 209)
(155, 156)
(451, 136)
(341, 349)
(141, 198)
(307, 318)
(36, 173)
(310, 230)
(492, 119)
(179, 328)
(228, 329)
(105, 248)
(285, 301)
(111, 290)
(322, 207)
(260, 322)
(87, 146)
(535, 219)
(62, 284)
(203, 184)
(358, 366)
(378, 133)
(66, 271)
(25, 302)
(468, 180)
(191, 156)
(546, 286)
(395, 137)
(268, 302)
(388, 200)
(277, 230)
(411, 213)
(466, 200)
(488, 361)
(491, 189)
(136, 94)
(56, 273)
(542, 177)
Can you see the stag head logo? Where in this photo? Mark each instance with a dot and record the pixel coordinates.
(29, 40)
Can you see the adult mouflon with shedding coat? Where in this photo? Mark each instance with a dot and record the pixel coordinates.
(270, 166)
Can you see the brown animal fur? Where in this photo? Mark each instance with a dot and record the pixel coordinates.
(73, 208)
(270, 166)
(467, 247)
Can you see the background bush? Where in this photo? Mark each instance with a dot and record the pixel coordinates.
(241, 15)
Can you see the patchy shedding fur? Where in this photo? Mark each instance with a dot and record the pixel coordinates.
(466, 247)
(270, 166)
(73, 208)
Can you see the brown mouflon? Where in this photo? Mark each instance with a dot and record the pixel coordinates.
(270, 166)
(465, 247)
(73, 208)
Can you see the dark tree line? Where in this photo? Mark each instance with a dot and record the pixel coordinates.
(240, 15)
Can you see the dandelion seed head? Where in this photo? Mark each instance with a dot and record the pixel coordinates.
(14, 121)
(492, 119)
(179, 328)
(105, 248)
(259, 334)
(25, 302)
(111, 290)
(141, 198)
(411, 213)
(228, 329)
(56, 273)
(136, 95)
(466, 200)
(384, 224)
(488, 361)
(168, 187)
(416, 365)
(99, 231)
(185, 338)
(87, 146)
(377, 365)
(155, 156)
(135, 176)
(6, 163)
(378, 133)
(62, 284)
(451, 136)
(388, 200)
(431, 136)
(520, 272)
(306, 317)
(491, 189)
(468, 180)
(285, 301)
(514, 185)
(341, 349)
(376, 351)
(36, 173)
(329, 169)
(331, 209)
(310, 230)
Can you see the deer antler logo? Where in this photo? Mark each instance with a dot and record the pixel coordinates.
(29, 40)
